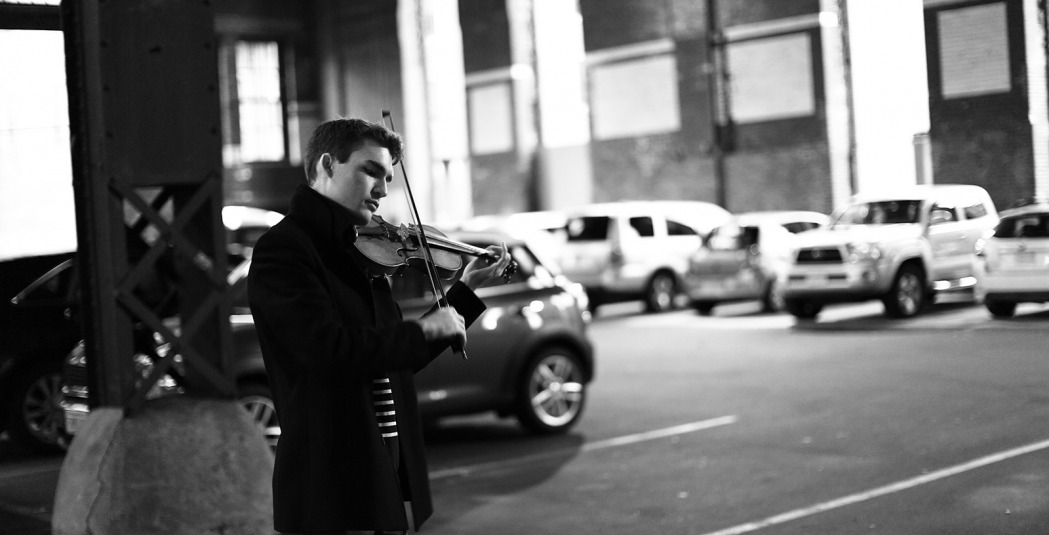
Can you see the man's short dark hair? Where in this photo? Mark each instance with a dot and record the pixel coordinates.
(340, 137)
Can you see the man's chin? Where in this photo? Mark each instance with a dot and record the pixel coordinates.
(362, 217)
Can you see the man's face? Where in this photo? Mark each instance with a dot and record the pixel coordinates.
(359, 183)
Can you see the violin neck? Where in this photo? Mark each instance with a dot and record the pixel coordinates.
(459, 246)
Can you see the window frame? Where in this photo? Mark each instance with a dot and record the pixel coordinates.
(231, 101)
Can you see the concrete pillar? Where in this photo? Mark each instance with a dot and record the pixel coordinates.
(180, 466)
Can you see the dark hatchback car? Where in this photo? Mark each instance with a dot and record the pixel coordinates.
(529, 354)
(37, 327)
(39, 323)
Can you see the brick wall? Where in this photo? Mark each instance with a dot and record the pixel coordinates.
(782, 164)
(486, 34)
(983, 139)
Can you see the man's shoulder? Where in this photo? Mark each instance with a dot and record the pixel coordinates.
(286, 233)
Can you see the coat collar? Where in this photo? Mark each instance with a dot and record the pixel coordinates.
(328, 221)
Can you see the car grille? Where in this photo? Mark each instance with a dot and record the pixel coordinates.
(819, 255)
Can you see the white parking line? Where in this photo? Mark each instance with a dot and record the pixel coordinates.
(882, 491)
(591, 446)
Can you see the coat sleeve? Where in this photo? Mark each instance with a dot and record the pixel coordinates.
(297, 318)
(468, 305)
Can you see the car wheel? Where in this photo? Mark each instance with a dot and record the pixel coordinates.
(1001, 309)
(907, 296)
(35, 416)
(772, 300)
(704, 307)
(661, 292)
(258, 401)
(802, 308)
(551, 391)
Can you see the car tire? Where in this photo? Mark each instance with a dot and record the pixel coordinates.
(661, 292)
(772, 300)
(1001, 309)
(704, 308)
(908, 293)
(257, 399)
(802, 308)
(35, 417)
(551, 391)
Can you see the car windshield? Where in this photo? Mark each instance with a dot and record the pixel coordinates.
(880, 213)
(1025, 226)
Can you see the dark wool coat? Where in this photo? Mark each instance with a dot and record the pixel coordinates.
(325, 331)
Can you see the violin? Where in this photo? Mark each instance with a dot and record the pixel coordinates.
(397, 249)
(388, 249)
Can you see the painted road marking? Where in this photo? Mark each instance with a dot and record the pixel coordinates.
(590, 446)
(882, 491)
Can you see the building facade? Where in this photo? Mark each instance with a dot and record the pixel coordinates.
(987, 95)
(517, 105)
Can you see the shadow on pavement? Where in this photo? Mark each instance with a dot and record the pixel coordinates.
(477, 450)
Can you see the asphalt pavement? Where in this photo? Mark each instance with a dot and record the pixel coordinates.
(745, 422)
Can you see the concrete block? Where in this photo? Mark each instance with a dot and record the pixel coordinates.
(179, 466)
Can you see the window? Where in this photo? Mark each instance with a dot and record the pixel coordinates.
(643, 226)
(635, 97)
(1027, 226)
(35, 160)
(679, 229)
(975, 211)
(491, 118)
(254, 104)
(800, 226)
(590, 228)
(771, 78)
(974, 50)
(880, 213)
(941, 213)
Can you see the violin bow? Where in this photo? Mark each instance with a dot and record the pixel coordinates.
(431, 269)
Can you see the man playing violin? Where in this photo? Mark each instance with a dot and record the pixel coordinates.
(339, 355)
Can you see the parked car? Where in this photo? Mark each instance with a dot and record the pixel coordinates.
(40, 323)
(741, 260)
(635, 250)
(544, 230)
(901, 247)
(1012, 264)
(530, 356)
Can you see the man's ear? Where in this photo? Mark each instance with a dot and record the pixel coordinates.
(325, 163)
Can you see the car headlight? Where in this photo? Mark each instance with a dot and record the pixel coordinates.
(863, 252)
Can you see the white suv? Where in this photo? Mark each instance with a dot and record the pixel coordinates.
(635, 249)
(900, 247)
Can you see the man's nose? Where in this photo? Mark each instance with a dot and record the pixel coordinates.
(381, 189)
